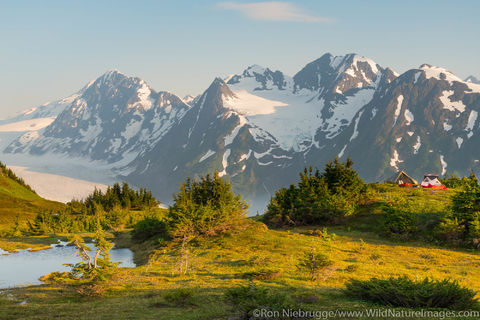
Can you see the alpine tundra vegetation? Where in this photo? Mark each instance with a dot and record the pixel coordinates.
(333, 242)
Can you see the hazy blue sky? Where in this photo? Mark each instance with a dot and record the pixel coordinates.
(50, 49)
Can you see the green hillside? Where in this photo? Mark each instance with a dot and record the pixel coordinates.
(18, 199)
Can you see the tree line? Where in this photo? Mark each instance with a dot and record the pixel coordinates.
(118, 207)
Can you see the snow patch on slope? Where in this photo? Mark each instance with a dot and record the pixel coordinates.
(343, 112)
(446, 126)
(395, 160)
(439, 73)
(355, 129)
(342, 151)
(29, 137)
(207, 155)
(417, 145)
(27, 125)
(459, 142)
(444, 164)
(409, 117)
(398, 109)
(229, 139)
(449, 104)
(249, 105)
(245, 156)
(472, 118)
(226, 154)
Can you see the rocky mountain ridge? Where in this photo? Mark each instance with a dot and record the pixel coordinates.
(260, 127)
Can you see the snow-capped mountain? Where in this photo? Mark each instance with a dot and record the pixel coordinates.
(260, 127)
(112, 118)
(425, 120)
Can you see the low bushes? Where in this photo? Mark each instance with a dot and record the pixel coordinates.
(403, 292)
(398, 223)
(246, 299)
(180, 297)
(149, 228)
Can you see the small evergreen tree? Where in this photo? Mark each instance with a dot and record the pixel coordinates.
(96, 268)
(313, 263)
(466, 212)
(206, 207)
(317, 198)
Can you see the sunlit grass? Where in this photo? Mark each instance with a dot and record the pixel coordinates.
(356, 247)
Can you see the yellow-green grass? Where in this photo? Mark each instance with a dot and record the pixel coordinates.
(223, 262)
(12, 244)
(16, 200)
(419, 199)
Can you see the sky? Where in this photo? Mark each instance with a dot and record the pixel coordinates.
(50, 49)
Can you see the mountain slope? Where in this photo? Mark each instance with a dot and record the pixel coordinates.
(16, 198)
(425, 120)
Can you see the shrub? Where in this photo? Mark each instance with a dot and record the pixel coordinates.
(351, 268)
(314, 262)
(180, 297)
(403, 292)
(317, 198)
(246, 299)
(452, 181)
(262, 274)
(399, 223)
(149, 228)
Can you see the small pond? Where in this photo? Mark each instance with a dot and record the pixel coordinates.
(25, 267)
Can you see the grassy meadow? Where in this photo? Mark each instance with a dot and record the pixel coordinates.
(255, 254)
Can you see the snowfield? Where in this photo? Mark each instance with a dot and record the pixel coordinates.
(291, 118)
(27, 125)
(57, 187)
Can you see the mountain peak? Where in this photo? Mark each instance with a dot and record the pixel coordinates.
(112, 73)
(218, 82)
(254, 68)
(338, 74)
(438, 73)
(219, 88)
